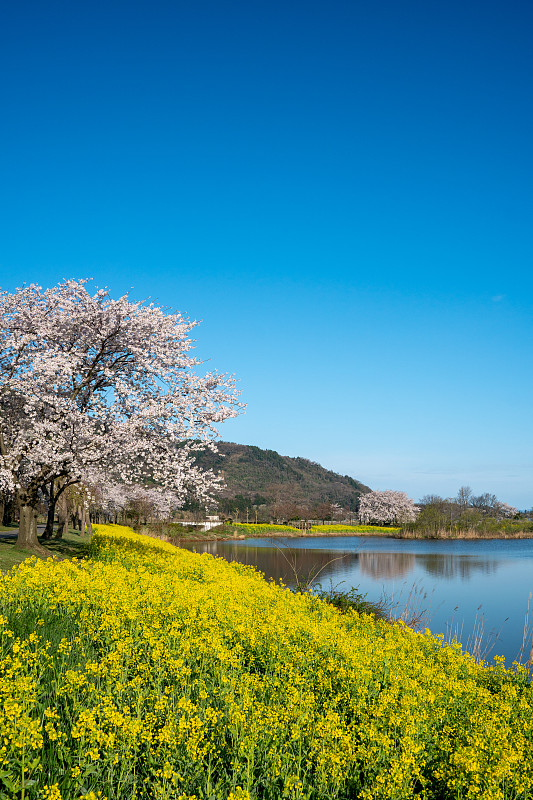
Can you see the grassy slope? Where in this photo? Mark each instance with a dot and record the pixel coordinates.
(71, 546)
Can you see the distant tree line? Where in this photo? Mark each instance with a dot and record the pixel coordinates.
(482, 513)
(379, 508)
(433, 515)
(257, 508)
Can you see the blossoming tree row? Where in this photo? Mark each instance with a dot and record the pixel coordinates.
(101, 391)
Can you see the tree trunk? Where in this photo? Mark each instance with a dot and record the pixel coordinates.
(9, 511)
(89, 525)
(27, 536)
(76, 518)
(83, 516)
(49, 530)
(62, 514)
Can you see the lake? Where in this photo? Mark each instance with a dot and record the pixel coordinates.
(474, 590)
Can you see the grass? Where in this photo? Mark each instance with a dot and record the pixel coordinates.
(484, 528)
(522, 531)
(349, 599)
(262, 529)
(355, 529)
(73, 545)
(175, 533)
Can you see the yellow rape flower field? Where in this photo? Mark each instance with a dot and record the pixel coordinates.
(264, 528)
(152, 672)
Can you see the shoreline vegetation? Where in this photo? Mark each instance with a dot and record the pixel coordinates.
(175, 532)
(152, 672)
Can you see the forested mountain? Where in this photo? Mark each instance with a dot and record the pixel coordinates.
(256, 477)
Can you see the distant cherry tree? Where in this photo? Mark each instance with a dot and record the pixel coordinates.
(98, 389)
(150, 504)
(387, 507)
(337, 511)
(505, 511)
(111, 500)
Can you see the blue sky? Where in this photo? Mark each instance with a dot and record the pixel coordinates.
(341, 192)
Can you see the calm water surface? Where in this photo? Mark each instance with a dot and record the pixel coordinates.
(463, 588)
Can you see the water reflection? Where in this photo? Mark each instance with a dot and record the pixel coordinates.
(458, 581)
(456, 566)
(449, 566)
(291, 564)
(386, 565)
(287, 564)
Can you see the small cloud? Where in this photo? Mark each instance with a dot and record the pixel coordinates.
(498, 298)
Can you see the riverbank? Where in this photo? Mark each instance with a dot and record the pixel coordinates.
(174, 533)
(465, 535)
(243, 530)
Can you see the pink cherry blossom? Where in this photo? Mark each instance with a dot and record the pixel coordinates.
(102, 390)
(387, 507)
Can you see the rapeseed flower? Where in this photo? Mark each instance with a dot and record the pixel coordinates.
(152, 672)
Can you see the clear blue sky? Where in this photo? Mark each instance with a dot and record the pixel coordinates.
(341, 191)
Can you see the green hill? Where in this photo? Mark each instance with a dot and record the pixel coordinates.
(265, 478)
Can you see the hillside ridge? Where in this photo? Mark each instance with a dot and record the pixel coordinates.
(262, 476)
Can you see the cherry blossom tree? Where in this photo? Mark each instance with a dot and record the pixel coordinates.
(150, 504)
(73, 505)
(505, 511)
(113, 499)
(101, 390)
(146, 502)
(337, 511)
(387, 507)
